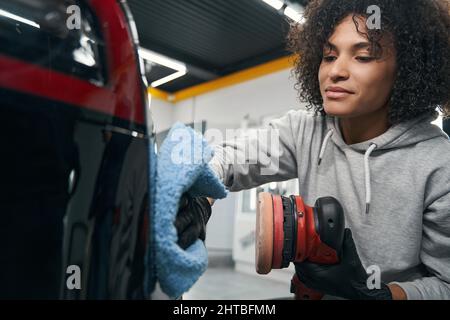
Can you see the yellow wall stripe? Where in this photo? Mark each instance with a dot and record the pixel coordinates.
(159, 94)
(233, 79)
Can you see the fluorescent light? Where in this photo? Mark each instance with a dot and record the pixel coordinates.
(162, 60)
(179, 67)
(294, 15)
(276, 4)
(169, 78)
(17, 18)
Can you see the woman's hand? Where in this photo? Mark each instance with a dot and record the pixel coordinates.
(347, 279)
(192, 217)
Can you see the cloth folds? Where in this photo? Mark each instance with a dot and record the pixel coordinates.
(182, 166)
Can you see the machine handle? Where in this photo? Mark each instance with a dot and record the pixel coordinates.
(302, 292)
(329, 224)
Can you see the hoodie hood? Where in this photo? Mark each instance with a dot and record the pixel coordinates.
(398, 136)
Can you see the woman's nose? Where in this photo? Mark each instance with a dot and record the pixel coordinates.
(339, 70)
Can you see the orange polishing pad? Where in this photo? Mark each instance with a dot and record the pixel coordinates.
(264, 233)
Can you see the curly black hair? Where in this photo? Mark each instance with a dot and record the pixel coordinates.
(420, 31)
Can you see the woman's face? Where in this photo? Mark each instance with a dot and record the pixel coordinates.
(352, 82)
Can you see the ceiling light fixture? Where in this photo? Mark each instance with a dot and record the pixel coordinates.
(169, 78)
(276, 4)
(160, 59)
(294, 15)
(291, 10)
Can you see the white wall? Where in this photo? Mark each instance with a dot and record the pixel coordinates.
(267, 95)
(225, 108)
(162, 114)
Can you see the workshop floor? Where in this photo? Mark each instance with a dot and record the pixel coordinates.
(225, 283)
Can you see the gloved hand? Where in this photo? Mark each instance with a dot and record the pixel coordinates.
(348, 279)
(192, 217)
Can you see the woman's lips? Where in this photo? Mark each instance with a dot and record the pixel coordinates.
(337, 93)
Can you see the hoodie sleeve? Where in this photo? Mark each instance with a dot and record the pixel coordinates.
(435, 252)
(260, 156)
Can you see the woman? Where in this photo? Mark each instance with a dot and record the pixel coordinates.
(369, 142)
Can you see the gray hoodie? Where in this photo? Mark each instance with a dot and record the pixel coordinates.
(395, 190)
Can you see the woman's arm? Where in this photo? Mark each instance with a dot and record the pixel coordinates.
(260, 156)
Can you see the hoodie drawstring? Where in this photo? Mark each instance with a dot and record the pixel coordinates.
(372, 147)
(367, 175)
(324, 145)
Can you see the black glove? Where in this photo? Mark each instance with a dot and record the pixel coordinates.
(192, 216)
(348, 279)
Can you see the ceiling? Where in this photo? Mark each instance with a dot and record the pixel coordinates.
(213, 38)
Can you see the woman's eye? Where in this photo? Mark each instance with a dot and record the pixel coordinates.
(329, 58)
(365, 59)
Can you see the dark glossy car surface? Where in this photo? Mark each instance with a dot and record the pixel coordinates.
(75, 137)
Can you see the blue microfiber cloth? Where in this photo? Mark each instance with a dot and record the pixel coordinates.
(182, 166)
